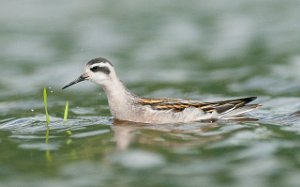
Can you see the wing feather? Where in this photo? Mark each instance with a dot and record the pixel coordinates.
(178, 105)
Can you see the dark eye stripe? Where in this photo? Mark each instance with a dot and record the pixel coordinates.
(102, 69)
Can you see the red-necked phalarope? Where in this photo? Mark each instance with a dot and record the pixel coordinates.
(124, 105)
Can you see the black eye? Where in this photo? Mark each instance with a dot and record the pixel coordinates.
(95, 68)
(102, 69)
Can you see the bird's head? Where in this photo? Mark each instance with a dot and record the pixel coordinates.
(97, 70)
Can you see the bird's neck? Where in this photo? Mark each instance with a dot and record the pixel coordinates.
(119, 97)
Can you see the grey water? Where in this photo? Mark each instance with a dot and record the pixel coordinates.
(195, 49)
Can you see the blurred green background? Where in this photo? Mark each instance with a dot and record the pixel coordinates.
(194, 49)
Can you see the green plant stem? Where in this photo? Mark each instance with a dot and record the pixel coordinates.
(66, 111)
(46, 107)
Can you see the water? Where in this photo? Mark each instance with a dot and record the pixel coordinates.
(205, 50)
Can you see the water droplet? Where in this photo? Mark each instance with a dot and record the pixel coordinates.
(32, 110)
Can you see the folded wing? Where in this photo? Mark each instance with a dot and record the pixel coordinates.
(226, 107)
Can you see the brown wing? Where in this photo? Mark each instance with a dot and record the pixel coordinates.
(179, 105)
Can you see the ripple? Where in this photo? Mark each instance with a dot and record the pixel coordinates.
(38, 124)
(39, 146)
(138, 159)
(89, 134)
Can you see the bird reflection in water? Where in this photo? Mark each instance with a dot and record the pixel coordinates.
(171, 135)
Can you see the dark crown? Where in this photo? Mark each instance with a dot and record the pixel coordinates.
(99, 60)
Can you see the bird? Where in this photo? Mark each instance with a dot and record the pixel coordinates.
(126, 106)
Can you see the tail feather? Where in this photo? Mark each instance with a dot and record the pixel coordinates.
(238, 111)
(248, 99)
(244, 100)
